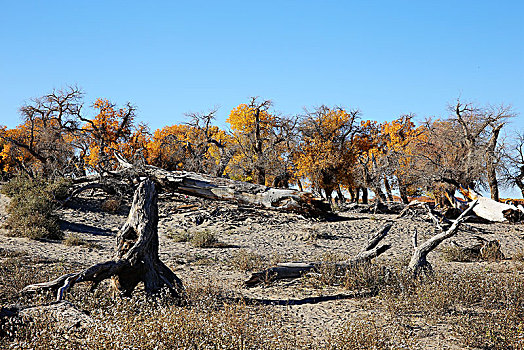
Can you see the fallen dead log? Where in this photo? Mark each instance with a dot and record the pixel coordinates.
(418, 264)
(216, 188)
(136, 259)
(298, 269)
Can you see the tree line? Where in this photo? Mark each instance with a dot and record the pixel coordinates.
(326, 150)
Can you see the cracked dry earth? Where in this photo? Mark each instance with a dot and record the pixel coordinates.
(276, 237)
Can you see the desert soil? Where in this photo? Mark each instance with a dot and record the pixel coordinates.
(277, 237)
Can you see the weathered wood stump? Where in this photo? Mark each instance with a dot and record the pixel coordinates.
(136, 258)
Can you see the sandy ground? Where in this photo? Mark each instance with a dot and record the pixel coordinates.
(275, 236)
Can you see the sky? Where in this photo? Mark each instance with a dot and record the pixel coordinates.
(168, 58)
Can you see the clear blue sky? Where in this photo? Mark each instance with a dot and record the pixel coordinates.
(386, 58)
(170, 57)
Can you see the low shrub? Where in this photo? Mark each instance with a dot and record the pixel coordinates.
(519, 255)
(246, 260)
(31, 210)
(74, 239)
(179, 235)
(457, 254)
(111, 205)
(479, 310)
(203, 239)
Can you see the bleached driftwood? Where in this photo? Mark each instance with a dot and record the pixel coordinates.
(136, 259)
(298, 269)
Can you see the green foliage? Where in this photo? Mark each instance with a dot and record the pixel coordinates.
(31, 210)
(59, 188)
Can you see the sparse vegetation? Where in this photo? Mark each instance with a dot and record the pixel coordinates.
(74, 239)
(519, 255)
(198, 239)
(111, 205)
(483, 310)
(179, 235)
(31, 210)
(203, 239)
(246, 260)
(457, 254)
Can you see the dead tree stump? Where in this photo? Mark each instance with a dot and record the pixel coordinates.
(136, 258)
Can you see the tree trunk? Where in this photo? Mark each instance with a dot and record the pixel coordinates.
(520, 185)
(491, 163)
(365, 195)
(260, 175)
(136, 259)
(379, 195)
(299, 184)
(340, 195)
(388, 189)
(352, 195)
(403, 193)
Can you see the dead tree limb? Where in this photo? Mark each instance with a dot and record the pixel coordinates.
(418, 263)
(206, 186)
(136, 259)
(298, 269)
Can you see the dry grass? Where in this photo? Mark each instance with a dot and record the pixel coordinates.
(211, 319)
(74, 239)
(179, 235)
(367, 333)
(519, 255)
(246, 260)
(204, 239)
(457, 254)
(481, 310)
(198, 239)
(111, 205)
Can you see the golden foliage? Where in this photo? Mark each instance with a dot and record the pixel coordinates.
(326, 148)
(112, 130)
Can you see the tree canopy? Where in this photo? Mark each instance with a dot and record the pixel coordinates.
(326, 149)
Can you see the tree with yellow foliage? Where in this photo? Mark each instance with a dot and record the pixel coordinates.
(401, 140)
(326, 147)
(259, 138)
(167, 148)
(212, 150)
(368, 172)
(196, 146)
(109, 131)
